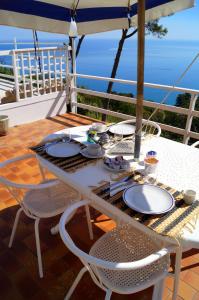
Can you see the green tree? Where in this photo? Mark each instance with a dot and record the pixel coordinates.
(4, 70)
(183, 100)
(152, 27)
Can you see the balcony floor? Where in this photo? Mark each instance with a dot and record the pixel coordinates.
(18, 265)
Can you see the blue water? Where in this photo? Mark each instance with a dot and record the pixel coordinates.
(165, 61)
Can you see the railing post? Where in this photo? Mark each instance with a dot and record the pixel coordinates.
(194, 97)
(15, 43)
(68, 82)
(73, 97)
(15, 72)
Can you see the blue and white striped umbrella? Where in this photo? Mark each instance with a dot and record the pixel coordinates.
(92, 16)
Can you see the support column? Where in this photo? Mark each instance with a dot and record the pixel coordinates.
(15, 72)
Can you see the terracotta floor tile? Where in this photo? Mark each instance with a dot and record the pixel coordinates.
(5, 284)
(178, 298)
(8, 262)
(41, 295)
(186, 291)
(167, 294)
(4, 194)
(196, 296)
(4, 229)
(26, 285)
(169, 282)
(192, 279)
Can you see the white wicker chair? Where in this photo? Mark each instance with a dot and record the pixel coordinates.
(124, 260)
(196, 144)
(149, 127)
(45, 200)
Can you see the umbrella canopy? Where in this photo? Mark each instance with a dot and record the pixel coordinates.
(91, 16)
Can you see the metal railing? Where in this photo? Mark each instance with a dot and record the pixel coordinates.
(190, 112)
(33, 78)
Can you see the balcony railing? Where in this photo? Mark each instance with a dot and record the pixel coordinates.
(190, 113)
(50, 73)
(36, 73)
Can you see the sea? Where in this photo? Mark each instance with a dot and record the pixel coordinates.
(165, 62)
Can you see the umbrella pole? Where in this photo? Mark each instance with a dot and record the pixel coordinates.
(140, 77)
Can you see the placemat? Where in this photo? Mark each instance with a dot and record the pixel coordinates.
(68, 164)
(170, 224)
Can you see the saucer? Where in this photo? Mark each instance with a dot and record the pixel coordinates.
(85, 153)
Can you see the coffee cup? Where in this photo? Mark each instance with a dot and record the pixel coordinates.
(94, 149)
(189, 196)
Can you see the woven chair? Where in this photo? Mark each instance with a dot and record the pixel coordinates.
(37, 201)
(149, 128)
(124, 260)
(196, 144)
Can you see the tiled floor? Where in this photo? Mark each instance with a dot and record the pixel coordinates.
(18, 265)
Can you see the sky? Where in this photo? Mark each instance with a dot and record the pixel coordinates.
(181, 26)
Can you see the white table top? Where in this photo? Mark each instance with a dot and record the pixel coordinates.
(178, 168)
(178, 163)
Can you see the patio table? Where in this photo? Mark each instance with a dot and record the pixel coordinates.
(177, 169)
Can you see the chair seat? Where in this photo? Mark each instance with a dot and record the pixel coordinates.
(113, 246)
(190, 238)
(49, 202)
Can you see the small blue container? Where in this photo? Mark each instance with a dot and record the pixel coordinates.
(151, 154)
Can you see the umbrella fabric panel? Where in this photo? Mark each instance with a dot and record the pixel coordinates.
(54, 15)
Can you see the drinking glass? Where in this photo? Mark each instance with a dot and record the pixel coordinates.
(68, 136)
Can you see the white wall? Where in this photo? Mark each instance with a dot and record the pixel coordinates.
(35, 108)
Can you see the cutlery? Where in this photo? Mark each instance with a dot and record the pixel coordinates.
(121, 187)
(120, 182)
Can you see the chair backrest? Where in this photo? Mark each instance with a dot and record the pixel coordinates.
(148, 127)
(93, 262)
(196, 144)
(18, 190)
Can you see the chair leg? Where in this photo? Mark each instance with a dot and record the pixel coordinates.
(42, 172)
(177, 272)
(38, 248)
(88, 217)
(75, 283)
(14, 227)
(108, 295)
(158, 290)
